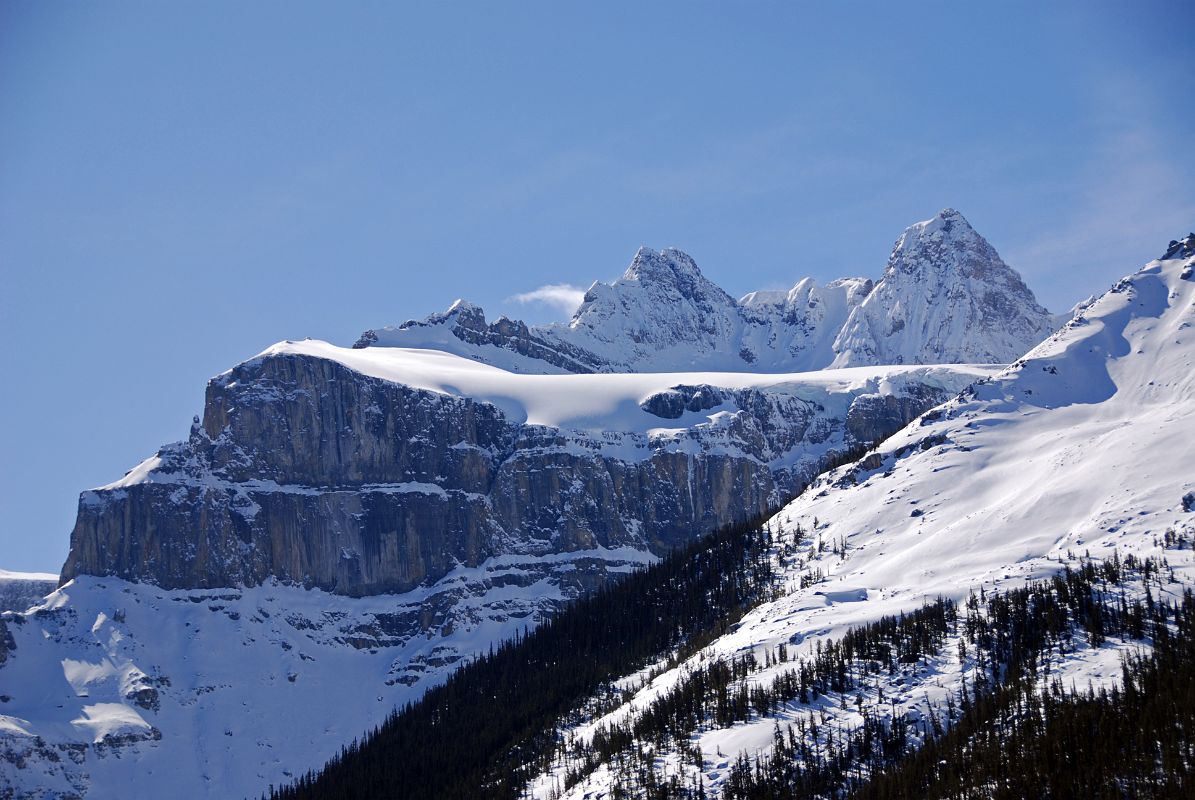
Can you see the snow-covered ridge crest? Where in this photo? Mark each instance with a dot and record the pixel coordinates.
(945, 297)
(605, 402)
(1082, 446)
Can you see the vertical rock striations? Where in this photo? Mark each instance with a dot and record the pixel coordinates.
(306, 470)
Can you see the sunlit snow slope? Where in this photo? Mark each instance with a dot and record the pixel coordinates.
(1085, 445)
(610, 402)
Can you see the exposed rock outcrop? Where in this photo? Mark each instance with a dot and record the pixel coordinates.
(314, 473)
(19, 590)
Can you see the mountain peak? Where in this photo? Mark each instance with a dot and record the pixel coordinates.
(946, 296)
(669, 265)
(1181, 248)
(946, 225)
(945, 244)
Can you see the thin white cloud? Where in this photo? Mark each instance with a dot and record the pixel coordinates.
(562, 296)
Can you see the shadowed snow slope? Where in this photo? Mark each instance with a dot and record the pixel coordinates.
(1083, 445)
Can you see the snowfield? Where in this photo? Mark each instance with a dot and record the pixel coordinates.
(608, 401)
(1084, 446)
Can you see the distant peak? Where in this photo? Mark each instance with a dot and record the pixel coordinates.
(461, 312)
(669, 267)
(462, 306)
(949, 221)
(764, 297)
(666, 264)
(1181, 248)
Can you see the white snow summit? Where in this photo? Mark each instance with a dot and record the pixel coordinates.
(945, 296)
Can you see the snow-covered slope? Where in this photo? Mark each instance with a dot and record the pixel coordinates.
(1082, 446)
(117, 689)
(945, 297)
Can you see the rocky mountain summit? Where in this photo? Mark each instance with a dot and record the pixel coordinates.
(945, 296)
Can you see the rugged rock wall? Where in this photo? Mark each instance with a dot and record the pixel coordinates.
(18, 591)
(308, 471)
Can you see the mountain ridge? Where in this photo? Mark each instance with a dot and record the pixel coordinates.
(945, 296)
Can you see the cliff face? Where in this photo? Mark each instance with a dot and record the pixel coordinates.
(309, 470)
(19, 590)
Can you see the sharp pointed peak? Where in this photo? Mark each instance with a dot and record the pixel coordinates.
(947, 226)
(461, 305)
(669, 263)
(950, 221)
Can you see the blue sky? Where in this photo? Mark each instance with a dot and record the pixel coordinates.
(183, 184)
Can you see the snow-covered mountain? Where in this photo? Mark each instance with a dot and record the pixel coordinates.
(1081, 448)
(945, 297)
(466, 501)
(344, 526)
(379, 470)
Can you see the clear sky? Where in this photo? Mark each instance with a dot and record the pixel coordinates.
(182, 184)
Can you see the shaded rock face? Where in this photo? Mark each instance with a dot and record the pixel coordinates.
(17, 594)
(672, 404)
(7, 643)
(312, 473)
(874, 417)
